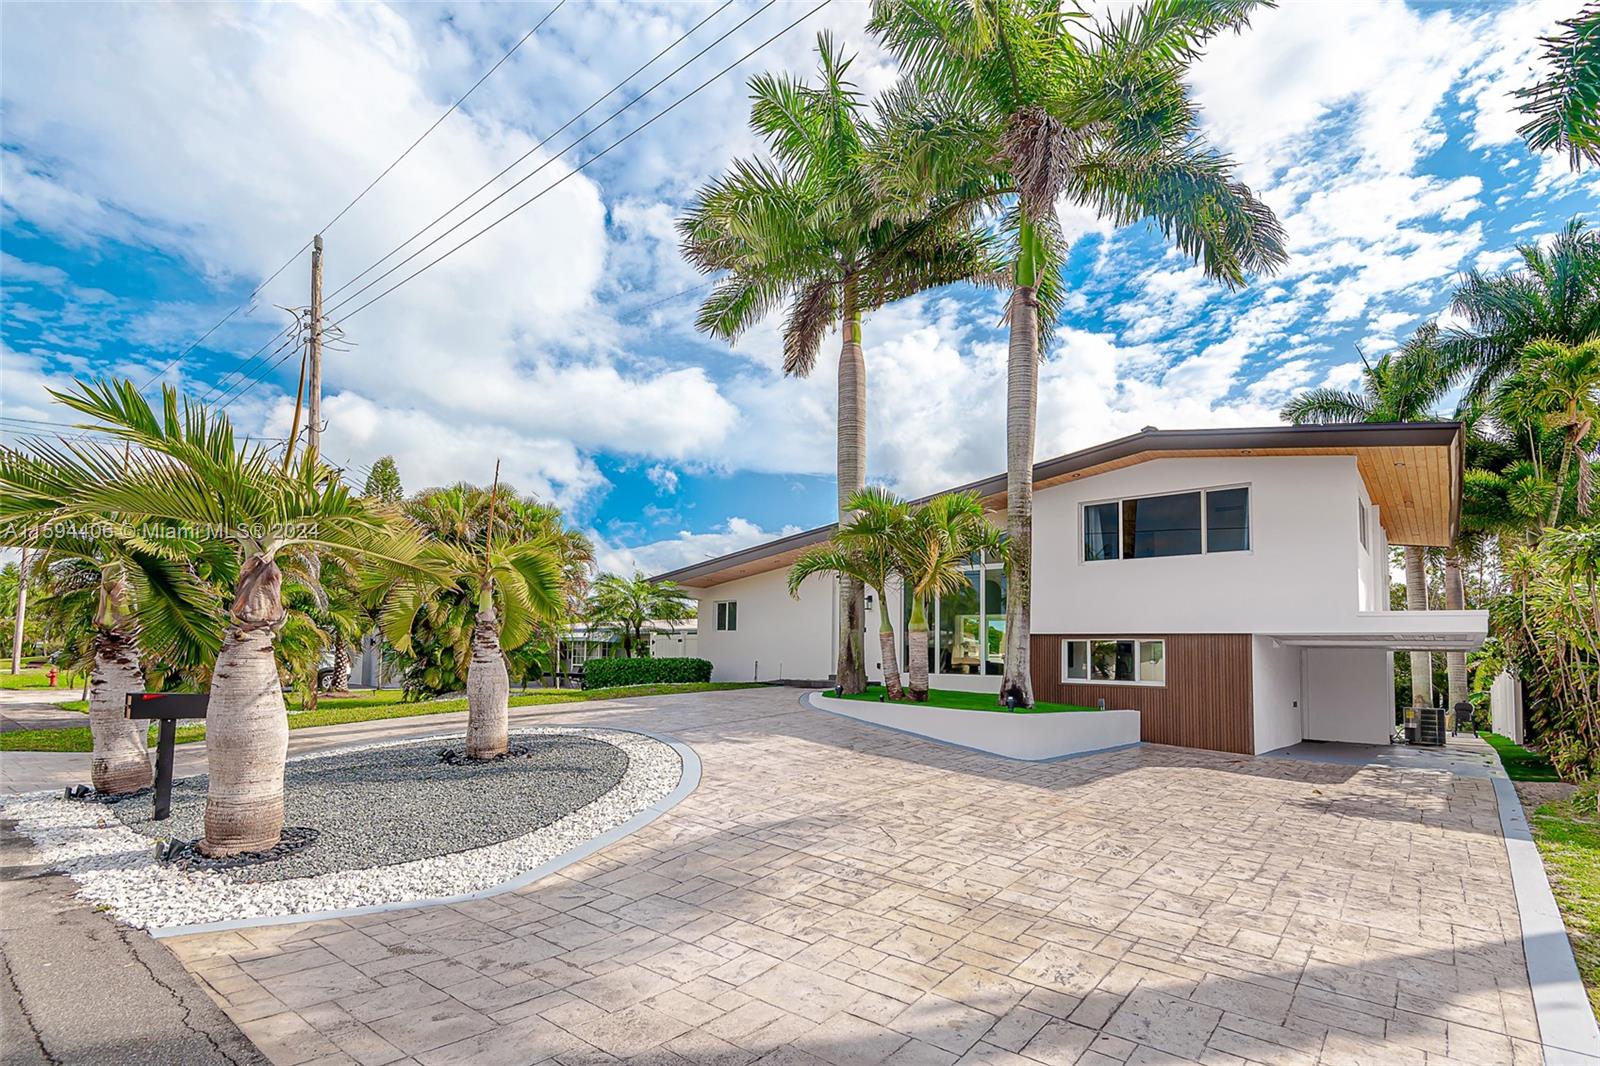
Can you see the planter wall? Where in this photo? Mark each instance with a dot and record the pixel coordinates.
(1034, 737)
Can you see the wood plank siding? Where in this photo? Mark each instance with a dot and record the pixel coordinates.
(1207, 701)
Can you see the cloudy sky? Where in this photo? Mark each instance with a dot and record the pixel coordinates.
(160, 162)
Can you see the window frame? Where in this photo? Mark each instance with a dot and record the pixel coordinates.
(1363, 528)
(1088, 643)
(726, 616)
(1205, 538)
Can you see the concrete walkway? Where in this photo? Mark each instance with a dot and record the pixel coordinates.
(834, 893)
(76, 987)
(36, 708)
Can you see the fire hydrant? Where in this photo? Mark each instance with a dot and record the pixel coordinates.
(52, 677)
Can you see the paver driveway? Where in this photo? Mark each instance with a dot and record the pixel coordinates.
(841, 894)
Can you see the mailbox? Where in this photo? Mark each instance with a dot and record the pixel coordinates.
(165, 708)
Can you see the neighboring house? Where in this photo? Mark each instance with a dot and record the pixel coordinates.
(1232, 585)
(668, 640)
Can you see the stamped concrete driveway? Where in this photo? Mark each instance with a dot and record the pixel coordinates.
(833, 893)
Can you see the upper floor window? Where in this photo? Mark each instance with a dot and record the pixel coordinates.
(1180, 523)
(728, 615)
(1361, 524)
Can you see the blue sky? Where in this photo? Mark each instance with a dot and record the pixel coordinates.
(159, 162)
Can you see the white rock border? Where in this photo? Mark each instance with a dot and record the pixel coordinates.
(116, 868)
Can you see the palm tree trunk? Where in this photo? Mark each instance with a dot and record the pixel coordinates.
(247, 740)
(851, 671)
(886, 648)
(488, 690)
(340, 679)
(121, 759)
(1455, 599)
(1417, 600)
(1561, 482)
(917, 649)
(1022, 389)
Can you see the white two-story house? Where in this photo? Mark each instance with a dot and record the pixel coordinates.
(1232, 585)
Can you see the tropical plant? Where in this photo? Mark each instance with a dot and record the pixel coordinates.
(141, 587)
(1402, 386)
(1554, 295)
(182, 467)
(808, 231)
(509, 571)
(1023, 103)
(1565, 106)
(868, 547)
(634, 607)
(941, 538)
(383, 481)
(1565, 381)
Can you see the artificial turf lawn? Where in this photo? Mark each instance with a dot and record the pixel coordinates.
(1568, 835)
(364, 709)
(1520, 763)
(971, 701)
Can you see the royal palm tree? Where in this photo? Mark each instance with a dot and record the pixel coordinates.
(1565, 106)
(868, 548)
(149, 600)
(511, 573)
(806, 231)
(1402, 386)
(940, 540)
(1553, 295)
(1024, 104)
(633, 606)
(183, 466)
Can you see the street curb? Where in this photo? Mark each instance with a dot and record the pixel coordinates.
(687, 783)
(1567, 1026)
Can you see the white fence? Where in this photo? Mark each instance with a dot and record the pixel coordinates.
(1505, 706)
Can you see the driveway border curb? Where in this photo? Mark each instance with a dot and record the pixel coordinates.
(687, 783)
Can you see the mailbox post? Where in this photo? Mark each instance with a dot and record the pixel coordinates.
(165, 708)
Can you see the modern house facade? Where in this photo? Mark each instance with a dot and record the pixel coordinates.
(1230, 585)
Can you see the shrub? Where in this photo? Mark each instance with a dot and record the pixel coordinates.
(605, 673)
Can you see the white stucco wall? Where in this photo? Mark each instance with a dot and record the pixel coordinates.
(1300, 574)
(1349, 694)
(777, 637)
(1275, 679)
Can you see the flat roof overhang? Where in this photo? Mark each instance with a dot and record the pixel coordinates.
(1400, 631)
(1412, 471)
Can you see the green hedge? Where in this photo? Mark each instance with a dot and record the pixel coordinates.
(605, 673)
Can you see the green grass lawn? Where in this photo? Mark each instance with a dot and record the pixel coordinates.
(365, 708)
(1520, 763)
(971, 701)
(1568, 836)
(33, 677)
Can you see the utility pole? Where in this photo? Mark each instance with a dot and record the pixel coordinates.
(314, 404)
(22, 612)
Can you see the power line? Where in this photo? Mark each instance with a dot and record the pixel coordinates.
(548, 138)
(569, 174)
(250, 299)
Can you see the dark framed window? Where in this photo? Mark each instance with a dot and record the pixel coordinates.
(1101, 538)
(1227, 520)
(1179, 523)
(727, 615)
(1155, 527)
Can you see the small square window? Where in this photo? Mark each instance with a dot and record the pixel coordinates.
(727, 615)
(1153, 661)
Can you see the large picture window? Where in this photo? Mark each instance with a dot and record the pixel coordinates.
(1114, 661)
(966, 628)
(1205, 521)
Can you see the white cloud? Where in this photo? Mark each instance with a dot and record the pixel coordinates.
(682, 549)
(663, 477)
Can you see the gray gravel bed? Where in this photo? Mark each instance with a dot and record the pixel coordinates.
(399, 803)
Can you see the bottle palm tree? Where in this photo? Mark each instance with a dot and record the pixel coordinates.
(867, 548)
(805, 230)
(183, 467)
(632, 607)
(1402, 386)
(1554, 294)
(1012, 102)
(150, 601)
(941, 537)
(511, 574)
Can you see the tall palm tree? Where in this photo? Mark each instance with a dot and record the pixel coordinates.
(182, 466)
(805, 230)
(940, 540)
(1554, 294)
(1020, 104)
(150, 602)
(634, 606)
(1402, 386)
(511, 573)
(1566, 384)
(1565, 106)
(867, 548)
